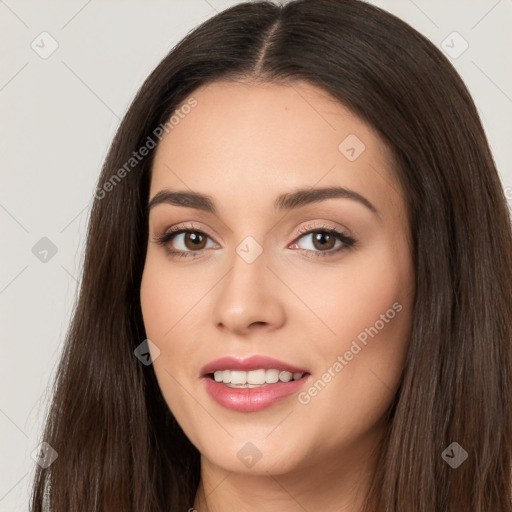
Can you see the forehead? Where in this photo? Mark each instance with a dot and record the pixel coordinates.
(261, 137)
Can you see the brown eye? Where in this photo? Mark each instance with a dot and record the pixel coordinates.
(182, 242)
(322, 240)
(194, 240)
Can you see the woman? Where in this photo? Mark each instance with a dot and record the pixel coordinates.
(297, 285)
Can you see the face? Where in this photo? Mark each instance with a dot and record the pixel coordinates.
(259, 282)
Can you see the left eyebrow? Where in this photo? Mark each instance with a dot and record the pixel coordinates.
(303, 197)
(289, 201)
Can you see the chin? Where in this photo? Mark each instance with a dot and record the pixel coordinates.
(255, 458)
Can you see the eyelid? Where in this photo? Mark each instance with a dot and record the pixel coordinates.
(308, 228)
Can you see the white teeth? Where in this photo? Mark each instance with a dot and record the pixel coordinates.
(285, 376)
(238, 377)
(254, 378)
(272, 376)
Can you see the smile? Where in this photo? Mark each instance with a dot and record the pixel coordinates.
(251, 384)
(254, 378)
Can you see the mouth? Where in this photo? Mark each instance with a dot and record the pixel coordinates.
(252, 384)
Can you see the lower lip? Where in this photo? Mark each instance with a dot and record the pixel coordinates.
(252, 399)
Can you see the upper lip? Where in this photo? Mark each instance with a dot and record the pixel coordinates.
(249, 363)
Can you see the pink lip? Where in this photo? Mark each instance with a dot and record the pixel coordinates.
(247, 364)
(250, 399)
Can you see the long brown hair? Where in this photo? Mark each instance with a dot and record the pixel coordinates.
(119, 445)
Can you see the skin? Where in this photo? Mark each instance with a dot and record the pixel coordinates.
(243, 145)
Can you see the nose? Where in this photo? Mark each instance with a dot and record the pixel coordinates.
(248, 298)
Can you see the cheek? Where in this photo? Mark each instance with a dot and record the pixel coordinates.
(368, 308)
(163, 303)
(352, 297)
(362, 372)
(166, 296)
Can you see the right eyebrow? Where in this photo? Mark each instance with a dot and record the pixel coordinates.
(185, 199)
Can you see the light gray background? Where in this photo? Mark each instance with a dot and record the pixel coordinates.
(58, 117)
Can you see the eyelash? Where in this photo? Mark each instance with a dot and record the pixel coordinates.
(168, 236)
